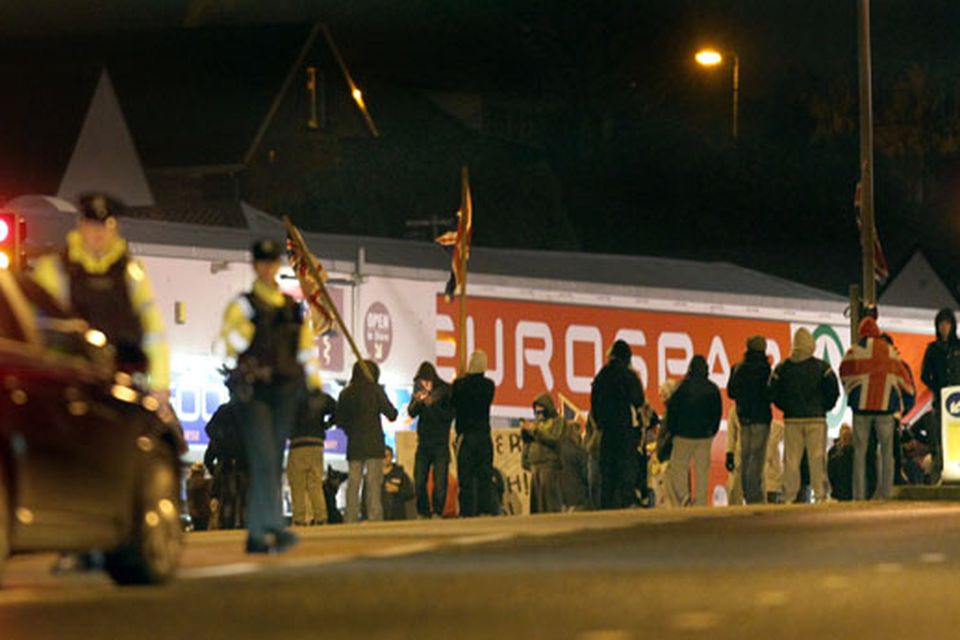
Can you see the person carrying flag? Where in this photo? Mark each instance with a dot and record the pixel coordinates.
(879, 386)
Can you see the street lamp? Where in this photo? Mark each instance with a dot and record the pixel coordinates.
(711, 58)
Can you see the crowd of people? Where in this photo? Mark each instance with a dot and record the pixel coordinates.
(623, 455)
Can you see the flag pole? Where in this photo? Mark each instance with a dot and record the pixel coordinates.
(464, 252)
(462, 325)
(294, 233)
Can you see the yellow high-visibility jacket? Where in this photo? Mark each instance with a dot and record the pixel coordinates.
(238, 328)
(50, 272)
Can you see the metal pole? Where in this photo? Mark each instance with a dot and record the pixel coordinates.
(854, 313)
(867, 223)
(736, 96)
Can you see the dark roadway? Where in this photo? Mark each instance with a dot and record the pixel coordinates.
(875, 571)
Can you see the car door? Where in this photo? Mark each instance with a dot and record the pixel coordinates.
(57, 415)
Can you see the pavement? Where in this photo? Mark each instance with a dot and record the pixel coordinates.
(830, 571)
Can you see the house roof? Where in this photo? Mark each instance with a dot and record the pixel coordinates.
(192, 97)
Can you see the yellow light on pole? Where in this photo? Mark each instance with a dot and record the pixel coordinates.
(708, 58)
(713, 58)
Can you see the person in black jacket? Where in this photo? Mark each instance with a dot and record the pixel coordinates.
(472, 396)
(226, 460)
(615, 398)
(805, 388)
(941, 368)
(433, 409)
(305, 459)
(359, 408)
(693, 417)
(748, 388)
(397, 488)
(840, 465)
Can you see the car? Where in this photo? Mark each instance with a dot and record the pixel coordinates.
(87, 463)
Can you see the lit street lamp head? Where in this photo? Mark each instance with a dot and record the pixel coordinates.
(708, 57)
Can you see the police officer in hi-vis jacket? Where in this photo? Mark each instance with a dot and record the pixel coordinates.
(95, 276)
(274, 347)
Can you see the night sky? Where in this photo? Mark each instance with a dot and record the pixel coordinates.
(638, 136)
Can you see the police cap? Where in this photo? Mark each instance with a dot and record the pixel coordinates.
(99, 207)
(266, 250)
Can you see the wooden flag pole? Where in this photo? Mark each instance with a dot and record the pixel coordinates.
(462, 326)
(464, 252)
(294, 233)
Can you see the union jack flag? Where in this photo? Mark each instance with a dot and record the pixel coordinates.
(320, 314)
(881, 271)
(875, 378)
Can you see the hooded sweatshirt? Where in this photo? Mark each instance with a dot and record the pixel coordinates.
(435, 415)
(941, 361)
(748, 388)
(542, 443)
(358, 413)
(695, 408)
(804, 387)
(876, 380)
(616, 392)
(471, 397)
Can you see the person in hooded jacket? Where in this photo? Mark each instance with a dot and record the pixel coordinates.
(433, 409)
(615, 398)
(693, 417)
(748, 388)
(359, 407)
(941, 368)
(805, 388)
(541, 454)
(472, 396)
(879, 386)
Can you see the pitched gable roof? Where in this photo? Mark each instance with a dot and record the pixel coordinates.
(191, 97)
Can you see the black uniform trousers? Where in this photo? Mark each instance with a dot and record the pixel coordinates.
(267, 423)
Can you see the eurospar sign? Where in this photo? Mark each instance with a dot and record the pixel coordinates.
(540, 346)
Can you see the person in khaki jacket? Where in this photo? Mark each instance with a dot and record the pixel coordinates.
(541, 454)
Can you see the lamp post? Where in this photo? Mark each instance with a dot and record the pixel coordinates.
(712, 58)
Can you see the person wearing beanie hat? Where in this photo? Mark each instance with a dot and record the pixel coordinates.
(805, 388)
(616, 397)
(879, 386)
(748, 389)
(472, 396)
(97, 277)
(265, 334)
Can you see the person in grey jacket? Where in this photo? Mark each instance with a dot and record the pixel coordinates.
(359, 407)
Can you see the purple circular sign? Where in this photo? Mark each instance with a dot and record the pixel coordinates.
(378, 332)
